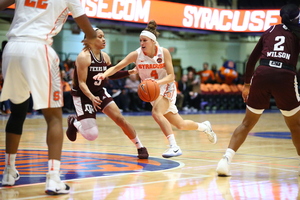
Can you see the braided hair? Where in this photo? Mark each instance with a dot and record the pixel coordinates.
(290, 18)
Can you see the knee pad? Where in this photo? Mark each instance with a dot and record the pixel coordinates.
(17, 117)
(89, 129)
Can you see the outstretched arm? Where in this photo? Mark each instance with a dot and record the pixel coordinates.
(130, 58)
(91, 36)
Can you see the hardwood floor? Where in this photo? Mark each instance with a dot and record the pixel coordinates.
(265, 167)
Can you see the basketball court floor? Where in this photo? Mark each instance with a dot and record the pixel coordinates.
(265, 167)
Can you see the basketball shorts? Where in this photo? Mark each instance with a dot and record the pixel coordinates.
(31, 67)
(280, 83)
(84, 106)
(169, 92)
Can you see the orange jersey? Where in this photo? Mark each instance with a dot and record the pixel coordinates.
(206, 75)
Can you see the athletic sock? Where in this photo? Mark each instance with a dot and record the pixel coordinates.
(136, 141)
(10, 160)
(201, 127)
(229, 154)
(53, 165)
(172, 140)
(77, 124)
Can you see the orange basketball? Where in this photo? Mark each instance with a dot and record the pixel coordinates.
(148, 90)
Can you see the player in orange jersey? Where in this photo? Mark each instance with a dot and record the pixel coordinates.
(164, 110)
(30, 65)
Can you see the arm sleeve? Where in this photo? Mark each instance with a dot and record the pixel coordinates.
(119, 75)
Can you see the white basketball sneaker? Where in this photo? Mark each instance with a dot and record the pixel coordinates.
(10, 176)
(172, 152)
(223, 168)
(212, 137)
(54, 185)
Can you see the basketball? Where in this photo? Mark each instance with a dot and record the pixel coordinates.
(148, 90)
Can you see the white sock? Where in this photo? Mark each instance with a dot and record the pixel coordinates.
(172, 140)
(136, 141)
(77, 124)
(201, 127)
(53, 165)
(10, 160)
(229, 154)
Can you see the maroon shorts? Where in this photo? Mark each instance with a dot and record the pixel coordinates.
(84, 106)
(280, 83)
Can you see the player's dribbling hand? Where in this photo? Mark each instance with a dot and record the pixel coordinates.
(133, 71)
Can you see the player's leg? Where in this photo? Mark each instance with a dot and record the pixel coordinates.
(48, 97)
(293, 123)
(14, 129)
(53, 117)
(17, 90)
(175, 119)
(84, 121)
(113, 112)
(237, 139)
(160, 107)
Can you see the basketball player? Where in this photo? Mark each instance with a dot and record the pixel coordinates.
(90, 96)
(155, 62)
(30, 65)
(277, 50)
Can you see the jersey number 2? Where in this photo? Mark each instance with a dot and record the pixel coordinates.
(278, 46)
(42, 4)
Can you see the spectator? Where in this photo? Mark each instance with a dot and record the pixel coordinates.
(116, 88)
(206, 75)
(193, 85)
(132, 84)
(68, 100)
(185, 91)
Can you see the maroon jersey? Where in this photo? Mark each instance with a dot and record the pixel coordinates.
(95, 86)
(96, 66)
(276, 44)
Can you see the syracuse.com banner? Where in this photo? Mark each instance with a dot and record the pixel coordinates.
(181, 15)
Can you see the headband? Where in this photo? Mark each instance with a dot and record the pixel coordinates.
(149, 35)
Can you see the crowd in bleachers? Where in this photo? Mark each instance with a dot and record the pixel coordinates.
(211, 89)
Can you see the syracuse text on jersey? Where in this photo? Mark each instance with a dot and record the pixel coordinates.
(151, 66)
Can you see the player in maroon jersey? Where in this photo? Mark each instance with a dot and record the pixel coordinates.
(90, 96)
(277, 51)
